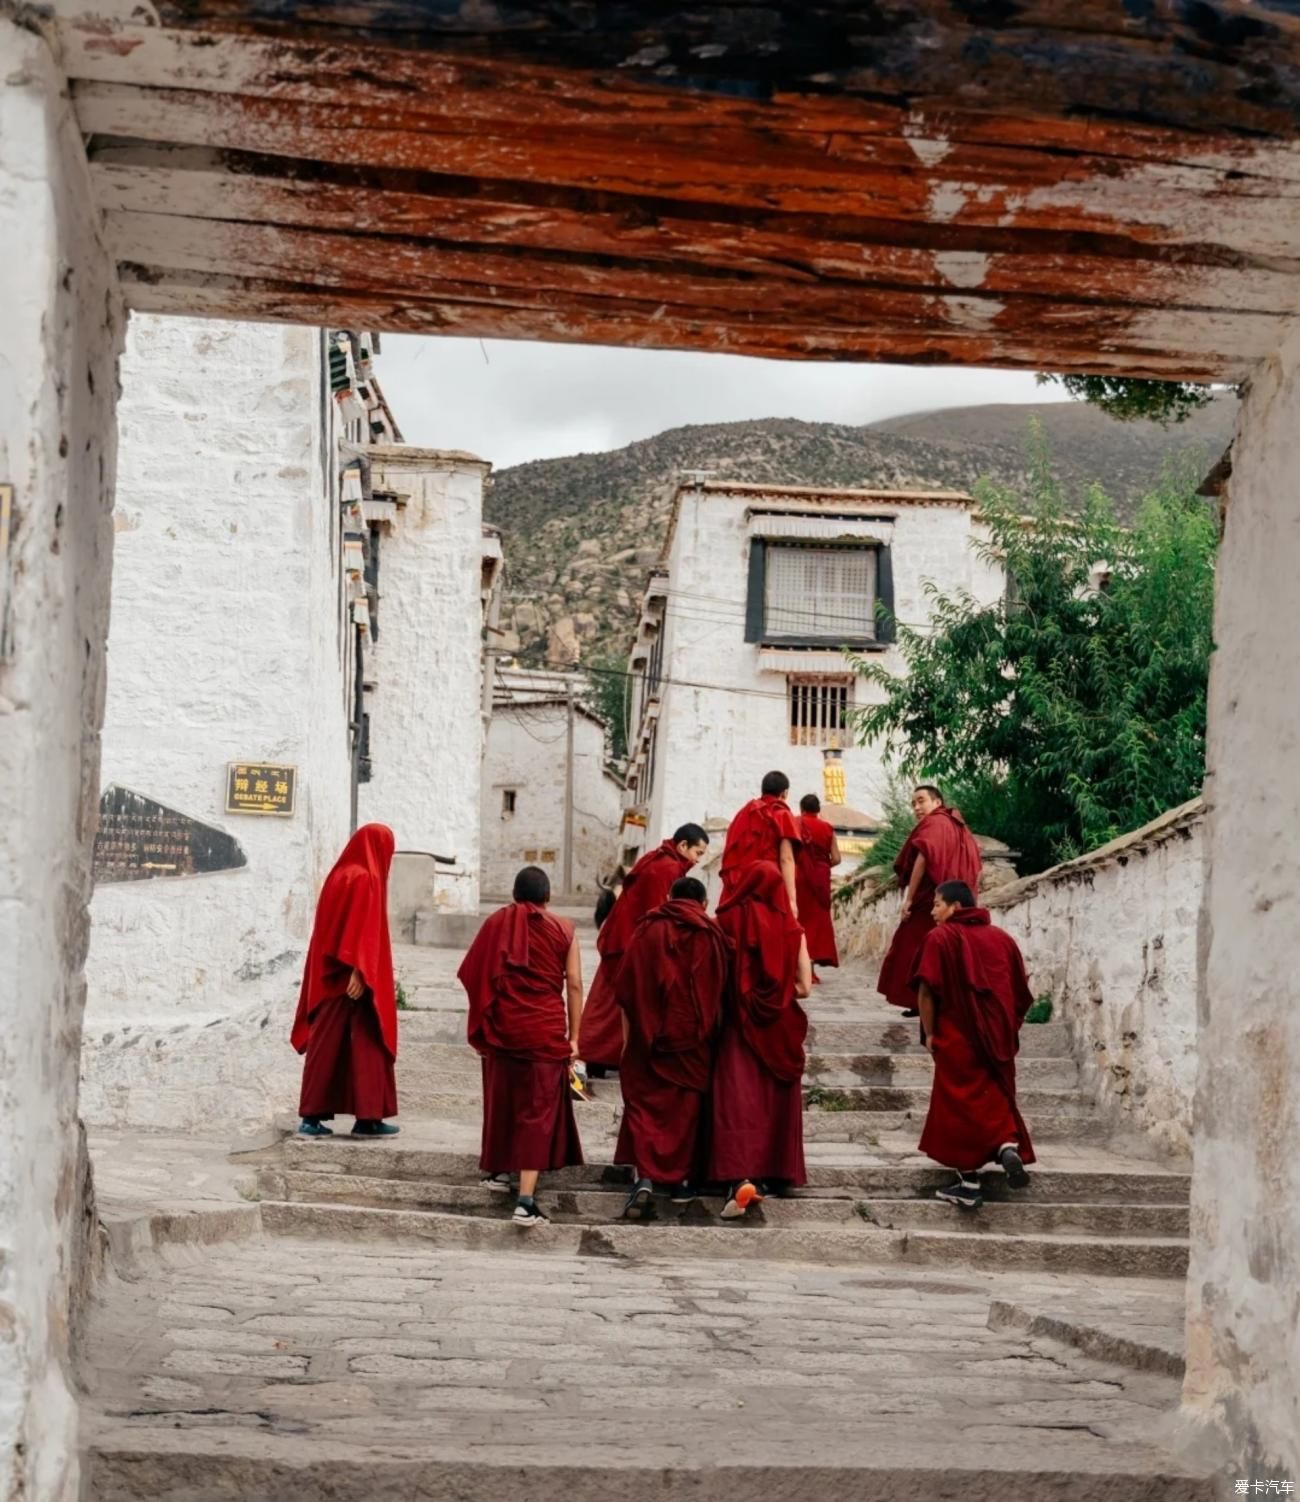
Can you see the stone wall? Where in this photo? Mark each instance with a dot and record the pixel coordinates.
(1243, 1353)
(58, 387)
(223, 648)
(1112, 937)
(426, 730)
(526, 755)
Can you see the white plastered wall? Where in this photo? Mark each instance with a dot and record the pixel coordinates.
(526, 753)
(714, 747)
(426, 730)
(1243, 1329)
(58, 387)
(224, 647)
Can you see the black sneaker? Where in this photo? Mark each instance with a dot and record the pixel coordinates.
(527, 1214)
(375, 1129)
(685, 1193)
(312, 1127)
(640, 1203)
(1014, 1168)
(965, 1193)
(911, 1011)
(498, 1181)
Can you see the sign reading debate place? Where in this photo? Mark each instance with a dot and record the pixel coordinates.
(139, 839)
(254, 787)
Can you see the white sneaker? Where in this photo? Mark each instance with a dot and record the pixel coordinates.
(527, 1214)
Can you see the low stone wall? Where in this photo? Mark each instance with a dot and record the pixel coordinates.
(1112, 938)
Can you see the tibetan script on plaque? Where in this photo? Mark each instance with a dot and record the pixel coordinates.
(257, 788)
(139, 839)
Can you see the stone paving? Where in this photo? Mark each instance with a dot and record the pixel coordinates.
(285, 1326)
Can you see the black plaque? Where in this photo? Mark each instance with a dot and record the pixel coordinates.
(259, 787)
(139, 839)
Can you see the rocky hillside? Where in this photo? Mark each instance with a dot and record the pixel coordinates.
(581, 532)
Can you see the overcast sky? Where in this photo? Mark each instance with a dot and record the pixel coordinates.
(509, 401)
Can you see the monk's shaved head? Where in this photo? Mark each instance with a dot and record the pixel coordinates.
(691, 834)
(810, 803)
(928, 787)
(956, 893)
(688, 889)
(775, 785)
(533, 885)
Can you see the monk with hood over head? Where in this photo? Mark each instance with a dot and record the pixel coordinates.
(670, 989)
(756, 1095)
(346, 1023)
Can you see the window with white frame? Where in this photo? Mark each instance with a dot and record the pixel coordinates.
(819, 594)
(819, 708)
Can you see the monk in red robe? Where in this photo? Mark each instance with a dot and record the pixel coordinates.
(645, 887)
(973, 994)
(818, 855)
(670, 989)
(516, 974)
(346, 1022)
(764, 830)
(939, 849)
(756, 1097)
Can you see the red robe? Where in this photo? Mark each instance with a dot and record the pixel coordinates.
(977, 975)
(350, 1045)
(670, 988)
(646, 887)
(951, 854)
(755, 834)
(513, 975)
(756, 1096)
(813, 888)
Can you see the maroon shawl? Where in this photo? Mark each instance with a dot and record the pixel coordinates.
(756, 917)
(755, 834)
(513, 975)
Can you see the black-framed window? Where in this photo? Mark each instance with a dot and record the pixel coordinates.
(819, 595)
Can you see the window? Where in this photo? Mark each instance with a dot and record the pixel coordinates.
(819, 706)
(816, 596)
(507, 802)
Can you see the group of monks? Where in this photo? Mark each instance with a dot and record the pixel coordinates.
(700, 1015)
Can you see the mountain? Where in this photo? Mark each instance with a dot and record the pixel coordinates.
(581, 532)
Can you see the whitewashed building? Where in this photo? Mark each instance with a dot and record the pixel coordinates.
(298, 596)
(739, 664)
(532, 811)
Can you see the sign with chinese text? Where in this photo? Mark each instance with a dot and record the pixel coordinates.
(258, 788)
(139, 839)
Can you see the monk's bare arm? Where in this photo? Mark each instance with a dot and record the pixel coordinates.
(836, 857)
(803, 976)
(929, 1009)
(914, 881)
(573, 987)
(787, 875)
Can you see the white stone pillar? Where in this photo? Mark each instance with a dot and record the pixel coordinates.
(58, 386)
(1243, 1350)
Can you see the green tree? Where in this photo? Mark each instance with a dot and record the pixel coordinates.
(1072, 710)
(1131, 399)
(607, 694)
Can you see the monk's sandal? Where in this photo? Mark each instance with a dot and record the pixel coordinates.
(1014, 1168)
(964, 1193)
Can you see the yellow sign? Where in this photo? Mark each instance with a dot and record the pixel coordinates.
(254, 787)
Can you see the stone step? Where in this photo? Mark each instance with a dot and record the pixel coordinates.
(128, 1462)
(904, 1180)
(819, 1244)
(839, 1071)
(1038, 1040)
(1082, 1125)
(598, 1206)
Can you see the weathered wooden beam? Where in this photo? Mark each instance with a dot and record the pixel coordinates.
(1217, 66)
(198, 184)
(152, 289)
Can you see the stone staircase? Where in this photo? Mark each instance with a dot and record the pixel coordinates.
(1089, 1210)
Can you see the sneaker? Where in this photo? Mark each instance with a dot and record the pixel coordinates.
(312, 1127)
(640, 1203)
(911, 1011)
(527, 1214)
(1013, 1166)
(964, 1193)
(739, 1198)
(497, 1181)
(375, 1129)
(685, 1193)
